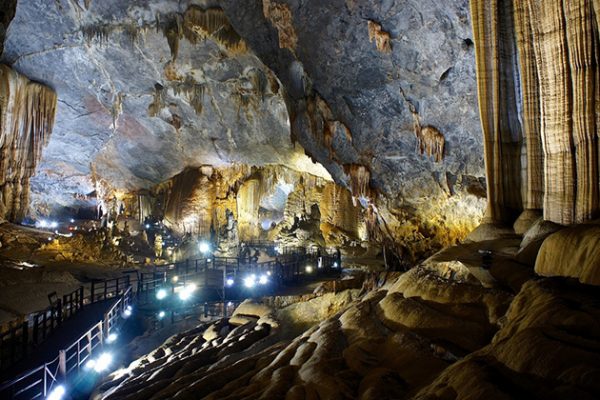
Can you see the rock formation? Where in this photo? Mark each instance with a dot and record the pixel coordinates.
(27, 111)
(538, 64)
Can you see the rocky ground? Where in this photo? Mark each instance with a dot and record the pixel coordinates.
(34, 263)
(448, 329)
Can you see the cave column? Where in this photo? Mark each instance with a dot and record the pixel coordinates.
(496, 76)
(583, 52)
(530, 92)
(556, 110)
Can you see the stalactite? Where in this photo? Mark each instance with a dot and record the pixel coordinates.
(198, 24)
(281, 17)
(27, 111)
(158, 102)
(430, 140)
(193, 92)
(380, 37)
(173, 31)
(359, 177)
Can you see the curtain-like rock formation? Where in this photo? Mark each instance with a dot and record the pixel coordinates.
(27, 111)
(540, 59)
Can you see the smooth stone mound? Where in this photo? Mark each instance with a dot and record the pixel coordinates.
(573, 252)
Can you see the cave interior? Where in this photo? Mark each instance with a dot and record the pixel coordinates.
(380, 199)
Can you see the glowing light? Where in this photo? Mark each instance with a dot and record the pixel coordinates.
(308, 269)
(161, 315)
(57, 393)
(90, 364)
(127, 313)
(249, 282)
(175, 279)
(204, 247)
(103, 362)
(187, 291)
(269, 273)
(128, 308)
(147, 226)
(53, 224)
(161, 294)
(229, 304)
(112, 337)
(72, 221)
(50, 239)
(278, 249)
(263, 280)
(229, 282)
(335, 264)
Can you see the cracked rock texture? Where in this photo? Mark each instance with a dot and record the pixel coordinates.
(146, 89)
(136, 106)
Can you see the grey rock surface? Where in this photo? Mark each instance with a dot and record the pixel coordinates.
(94, 57)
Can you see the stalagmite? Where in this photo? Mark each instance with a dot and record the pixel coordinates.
(27, 111)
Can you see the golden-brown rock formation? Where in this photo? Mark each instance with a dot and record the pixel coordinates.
(280, 16)
(380, 37)
(537, 62)
(27, 111)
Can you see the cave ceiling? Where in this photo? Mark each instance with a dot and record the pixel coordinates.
(143, 92)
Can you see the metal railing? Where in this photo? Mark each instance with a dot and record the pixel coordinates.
(39, 382)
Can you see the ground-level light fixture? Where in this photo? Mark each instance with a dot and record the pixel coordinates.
(57, 393)
(111, 338)
(103, 362)
(249, 281)
(308, 269)
(161, 294)
(204, 247)
(187, 291)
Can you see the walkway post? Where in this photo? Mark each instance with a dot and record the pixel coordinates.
(62, 364)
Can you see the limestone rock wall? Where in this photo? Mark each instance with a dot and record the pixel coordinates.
(27, 111)
(538, 95)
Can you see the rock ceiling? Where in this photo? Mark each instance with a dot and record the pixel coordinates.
(146, 88)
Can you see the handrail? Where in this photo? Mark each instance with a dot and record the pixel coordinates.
(48, 377)
(69, 361)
